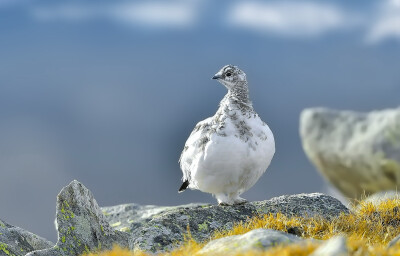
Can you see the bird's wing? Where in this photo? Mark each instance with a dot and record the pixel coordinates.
(194, 146)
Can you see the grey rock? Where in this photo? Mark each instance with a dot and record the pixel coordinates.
(81, 225)
(336, 246)
(122, 216)
(394, 241)
(258, 239)
(166, 230)
(357, 152)
(17, 241)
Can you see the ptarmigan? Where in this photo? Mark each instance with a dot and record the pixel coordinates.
(227, 153)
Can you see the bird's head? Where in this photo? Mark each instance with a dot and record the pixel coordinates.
(230, 76)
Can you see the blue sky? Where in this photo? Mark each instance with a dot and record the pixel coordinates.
(107, 93)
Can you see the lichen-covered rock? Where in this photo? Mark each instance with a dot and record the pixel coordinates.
(122, 216)
(258, 239)
(359, 153)
(336, 246)
(81, 225)
(16, 241)
(167, 229)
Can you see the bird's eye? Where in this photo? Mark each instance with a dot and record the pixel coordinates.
(228, 74)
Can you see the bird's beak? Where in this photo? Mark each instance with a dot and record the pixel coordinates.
(217, 76)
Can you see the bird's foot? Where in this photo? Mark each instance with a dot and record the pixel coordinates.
(236, 201)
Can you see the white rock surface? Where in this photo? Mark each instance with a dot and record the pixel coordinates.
(359, 153)
(258, 239)
(336, 246)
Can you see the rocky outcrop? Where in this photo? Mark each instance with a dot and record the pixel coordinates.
(84, 227)
(121, 217)
(258, 239)
(167, 229)
(81, 225)
(16, 241)
(357, 152)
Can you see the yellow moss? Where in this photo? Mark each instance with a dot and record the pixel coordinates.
(368, 229)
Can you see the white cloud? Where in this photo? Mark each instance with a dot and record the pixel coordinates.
(176, 14)
(290, 18)
(173, 14)
(386, 25)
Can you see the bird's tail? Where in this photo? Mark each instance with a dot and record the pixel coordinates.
(184, 186)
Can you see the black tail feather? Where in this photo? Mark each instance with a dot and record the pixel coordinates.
(184, 186)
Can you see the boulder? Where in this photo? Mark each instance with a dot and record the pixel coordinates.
(359, 153)
(166, 230)
(122, 216)
(336, 246)
(81, 225)
(258, 239)
(17, 241)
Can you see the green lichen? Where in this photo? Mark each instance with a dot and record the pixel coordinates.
(203, 226)
(63, 239)
(4, 248)
(66, 213)
(70, 230)
(2, 224)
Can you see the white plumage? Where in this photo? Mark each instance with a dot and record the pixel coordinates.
(227, 153)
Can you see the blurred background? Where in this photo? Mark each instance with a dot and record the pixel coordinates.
(108, 92)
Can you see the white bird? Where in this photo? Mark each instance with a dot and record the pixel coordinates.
(227, 153)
